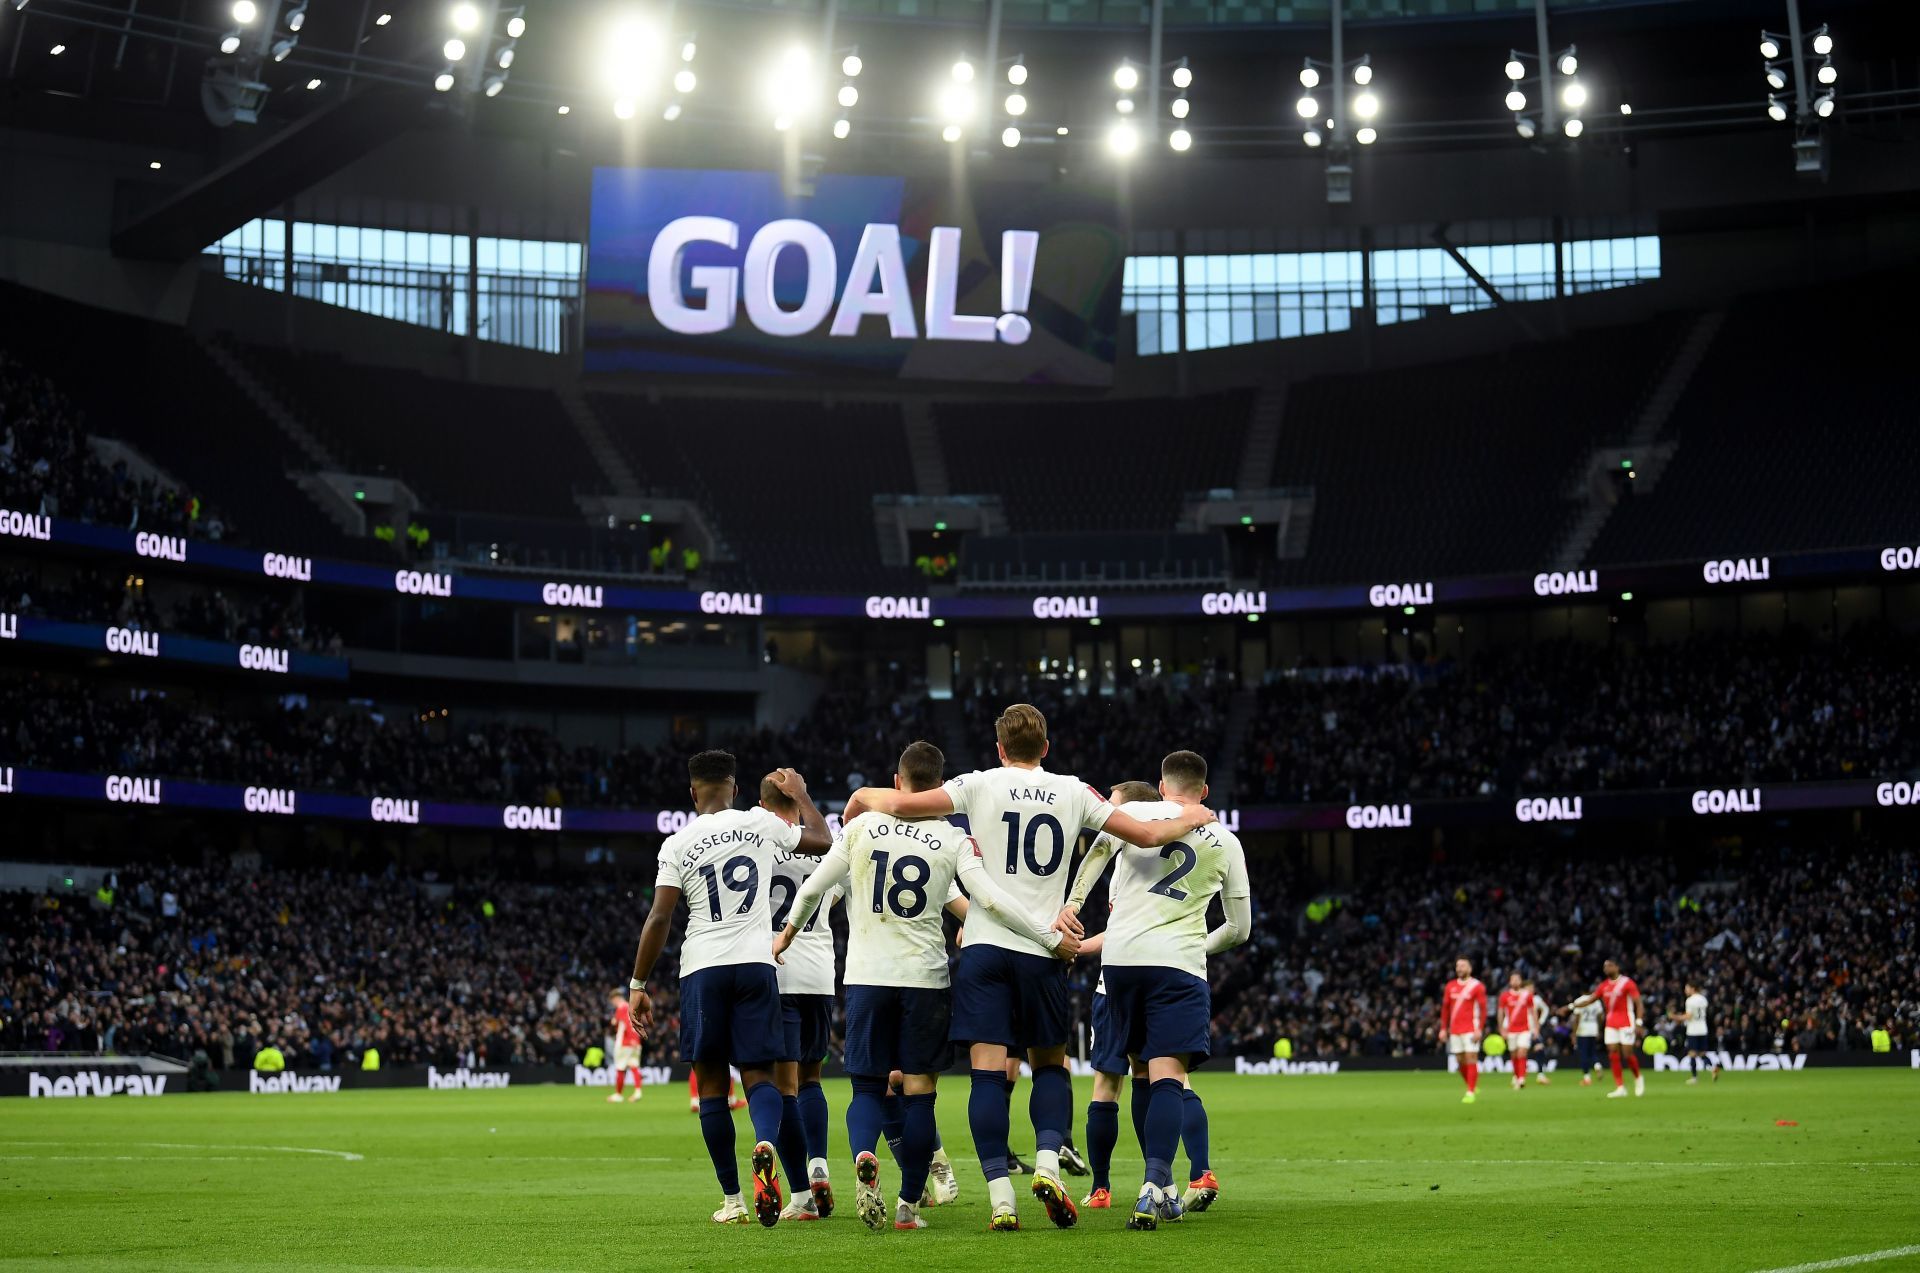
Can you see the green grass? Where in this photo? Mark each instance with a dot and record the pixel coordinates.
(1347, 1171)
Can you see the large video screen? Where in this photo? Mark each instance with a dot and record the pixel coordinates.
(717, 272)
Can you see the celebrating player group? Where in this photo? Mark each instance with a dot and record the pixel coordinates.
(996, 848)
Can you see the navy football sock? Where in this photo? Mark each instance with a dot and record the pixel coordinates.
(865, 1114)
(763, 1111)
(1050, 1106)
(916, 1147)
(716, 1128)
(987, 1103)
(1193, 1133)
(813, 1119)
(792, 1145)
(1163, 1130)
(1103, 1133)
(893, 1120)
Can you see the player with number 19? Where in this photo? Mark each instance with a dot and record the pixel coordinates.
(729, 996)
(1009, 992)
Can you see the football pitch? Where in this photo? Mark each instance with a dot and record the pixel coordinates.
(1758, 1172)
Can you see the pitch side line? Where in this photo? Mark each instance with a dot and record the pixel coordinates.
(1558, 1162)
(1848, 1261)
(341, 1154)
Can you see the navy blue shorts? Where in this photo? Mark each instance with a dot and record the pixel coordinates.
(1011, 998)
(807, 1025)
(731, 1013)
(897, 1028)
(1106, 1059)
(1158, 1012)
(1701, 1043)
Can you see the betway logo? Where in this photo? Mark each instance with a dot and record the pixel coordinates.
(1745, 1061)
(650, 1075)
(258, 1082)
(464, 1077)
(1241, 1065)
(94, 1083)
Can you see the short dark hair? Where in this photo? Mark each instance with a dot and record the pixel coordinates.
(711, 766)
(1022, 731)
(1184, 771)
(1124, 792)
(774, 798)
(922, 765)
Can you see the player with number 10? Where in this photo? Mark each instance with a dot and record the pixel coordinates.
(1010, 992)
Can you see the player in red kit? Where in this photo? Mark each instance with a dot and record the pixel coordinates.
(626, 1051)
(1463, 1015)
(1516, 1025)
(1624, 1024)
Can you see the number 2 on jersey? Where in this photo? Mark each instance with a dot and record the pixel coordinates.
(782, 891)
(740, 875)
(908, 896)
(1188, 858)
(1017, 846)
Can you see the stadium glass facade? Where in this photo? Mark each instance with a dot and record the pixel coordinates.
(1230, 292)
(522, 292)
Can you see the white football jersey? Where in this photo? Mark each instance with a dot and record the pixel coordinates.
(723, 865)
(1160, 896)
(1587, 1020)
(1026, 821)
(808, 966)
(900, 877)
(1697, 1015)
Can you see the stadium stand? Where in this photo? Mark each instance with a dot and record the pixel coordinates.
(167, 398)
(1802, 949)
(1791, 435)
(791, 484)
(1460, 467)
(458, 446)
(1094, 466)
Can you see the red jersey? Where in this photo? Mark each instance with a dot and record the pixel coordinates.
(623, 1023)
(1615, 994)
(1516, 1011)
(1464, 1005)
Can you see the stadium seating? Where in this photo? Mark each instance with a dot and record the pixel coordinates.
(159, 391)
(1124, 464)
(460, 447)
(1458, 468)
(791, 484)
(1794, 433)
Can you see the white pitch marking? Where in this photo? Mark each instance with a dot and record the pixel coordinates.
(341, 1154)
(1558, 1162)
(1848, 1261)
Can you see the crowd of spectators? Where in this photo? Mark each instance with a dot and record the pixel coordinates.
(114, 597)
(321, 966)
(1566, 716)
(1796, 951)
(1104, 739)
(86, 726)
(47, 466)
